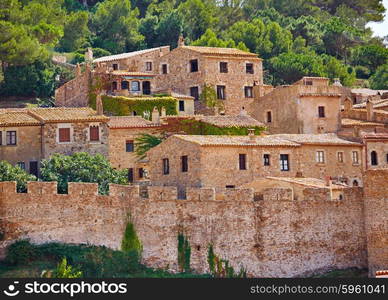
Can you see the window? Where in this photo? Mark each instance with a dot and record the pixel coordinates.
(284, 162)
(248, 90)
(320, 157)
(230, 186)
(130, 175)
(135, 86)
(266, 159)
(355, 157)
(309, 82)
(321, 111)
(181, 105)
(94, 133)
(21, 165)
(1, 138)
(148, 66)
(164, 69)
(194, 65)
(11, 138)
(223, 67)
(146, 87)
(355, 182)
(166, 166)
(249, 68)
(269, 117)
(34, 170)
(373, 158)
(114, 85)
(340, 157)
(184, 163)
(194, 92)
(242, 161)
(64, 135)
(129, 146)
(115, 67)
(386, 157)
(124, 85)
(141, 172)
(221, 92)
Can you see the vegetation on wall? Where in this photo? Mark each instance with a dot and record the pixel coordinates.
(9, 172)
(220, 268)
(131, 242)
(81, 167)
(209, 97)
(123, 106)
(145, 142)
(184, 253)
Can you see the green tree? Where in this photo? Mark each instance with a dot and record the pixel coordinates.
(75, 31)
(370, 56)
(131, 242)
(65, 270)
(336, 69)
(81, 167)
(379, 80)
(144, 143)
(11, 173)
(116, 26)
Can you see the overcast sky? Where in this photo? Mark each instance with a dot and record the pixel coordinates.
(381, 29)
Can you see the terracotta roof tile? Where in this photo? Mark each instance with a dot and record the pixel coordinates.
(130, 73)
(16, 118)
(219, 51)
(232, 121)
(67, 114)
(125, 55)
(130, 122)
(227, 140)
(316, 139)
(353, 122)
(311, 182)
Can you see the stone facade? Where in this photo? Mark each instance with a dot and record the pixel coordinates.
(213, 161)
(376, 219)
(303, 104)
(272, 237)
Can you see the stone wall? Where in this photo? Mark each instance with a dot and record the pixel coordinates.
(273, 237)
(376, 219)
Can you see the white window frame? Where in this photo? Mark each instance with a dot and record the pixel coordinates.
(320, 156)
(343, 157)
(65, 125)
(358, 157)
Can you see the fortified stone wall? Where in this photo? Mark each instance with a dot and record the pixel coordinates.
(272, 237)
(376, 219)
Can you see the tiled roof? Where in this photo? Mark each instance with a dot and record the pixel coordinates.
(66, 114)
(130, 122)
(353, 122)
(219, 51)
(181, 96)
(316, 139)
(232, 121)
(311, 182)
(129, 73)
(368, 92)
(376, 104)
(125, 55)
(227, 140)
(16, 118)
(379, 135)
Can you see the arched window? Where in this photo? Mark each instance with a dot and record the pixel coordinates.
(114, 85)
(124, 85)
(135, 86)
(355, 182)
(373, 158)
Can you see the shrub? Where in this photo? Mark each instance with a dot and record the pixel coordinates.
(21, 253)
(131, 242)
(64, 270)
(11, 173)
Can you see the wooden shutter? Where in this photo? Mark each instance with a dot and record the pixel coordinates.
(64, 135)
(94, 133)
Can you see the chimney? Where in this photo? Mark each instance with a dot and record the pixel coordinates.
(78, 70)
(163, 112)
(327, 180)
(251, 134)
(89, 55)
(181, 41)
(155, 118)
(348, 104)
(99, 106)
(369, 111)
(243, 112)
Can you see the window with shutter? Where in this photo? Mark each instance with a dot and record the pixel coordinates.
(64, 135)
(11, 138)
(94, 133)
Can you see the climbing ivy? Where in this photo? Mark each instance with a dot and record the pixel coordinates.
(123, 106)
(220, 268)
(195, 127)
(184, 253)
(131, 242)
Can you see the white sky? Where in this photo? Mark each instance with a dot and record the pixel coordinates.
(381, 29)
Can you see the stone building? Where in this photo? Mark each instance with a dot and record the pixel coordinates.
(376, 150)
(181, 73)
(230, 161)
(122, 134)
(309, 106)
(30, 135)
